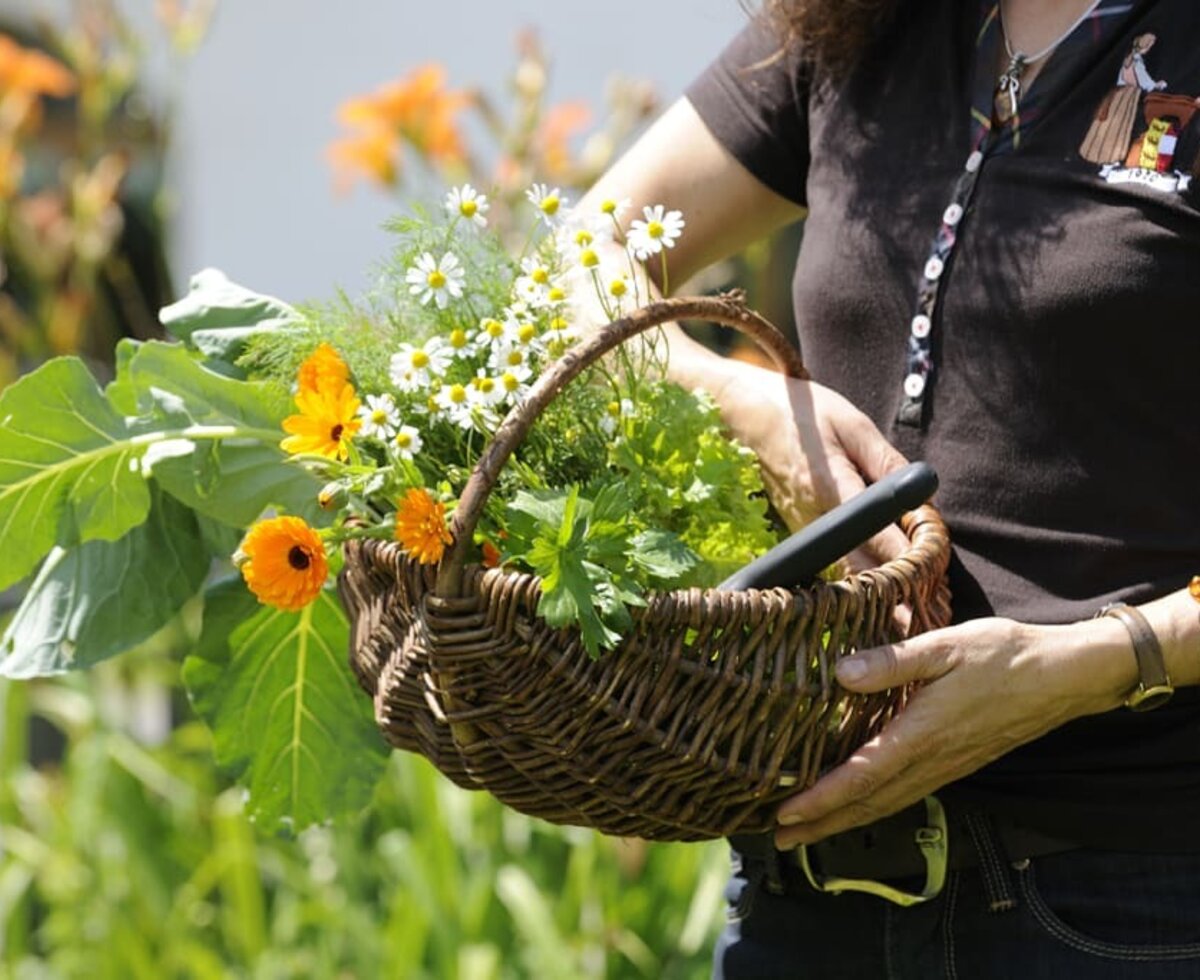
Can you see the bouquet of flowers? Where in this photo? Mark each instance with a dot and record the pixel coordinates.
(276, 434)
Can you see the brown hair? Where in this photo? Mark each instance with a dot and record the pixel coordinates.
(830, 33)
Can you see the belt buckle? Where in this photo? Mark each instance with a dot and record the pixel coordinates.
(933, 840)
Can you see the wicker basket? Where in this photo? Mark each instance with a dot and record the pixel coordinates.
(715, 707)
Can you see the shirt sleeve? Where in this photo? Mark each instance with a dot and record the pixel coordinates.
(754, 100)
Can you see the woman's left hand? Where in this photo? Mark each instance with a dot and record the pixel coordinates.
(986, 687)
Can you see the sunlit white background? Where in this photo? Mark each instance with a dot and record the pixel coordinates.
(252, 190)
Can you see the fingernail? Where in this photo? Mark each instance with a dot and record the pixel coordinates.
(789, 819)
(851, 670)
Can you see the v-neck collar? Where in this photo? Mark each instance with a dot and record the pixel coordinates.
(1063, 67)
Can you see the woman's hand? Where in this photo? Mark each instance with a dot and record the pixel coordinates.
(816, 450)
(986, 686)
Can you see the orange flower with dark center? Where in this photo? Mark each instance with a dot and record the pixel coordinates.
(421, 526)
(326, 423)
(323, 370)
(283, 562)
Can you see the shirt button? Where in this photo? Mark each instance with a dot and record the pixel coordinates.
(914, 384)
(953, 215)
(974, 161)
(934, 269)
(921, 325)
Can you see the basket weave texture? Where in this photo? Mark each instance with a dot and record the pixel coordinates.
(715, 706)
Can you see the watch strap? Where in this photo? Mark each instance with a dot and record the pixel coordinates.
(1154, 684)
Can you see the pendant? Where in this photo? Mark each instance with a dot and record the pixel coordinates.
(1008, 89)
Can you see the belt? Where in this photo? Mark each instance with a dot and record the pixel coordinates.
(923, 840)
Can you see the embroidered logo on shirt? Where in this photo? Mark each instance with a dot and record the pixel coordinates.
(1145, 154)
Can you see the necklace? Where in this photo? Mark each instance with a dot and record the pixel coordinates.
(1008, 87)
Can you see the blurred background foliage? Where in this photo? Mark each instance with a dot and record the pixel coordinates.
(123, 853)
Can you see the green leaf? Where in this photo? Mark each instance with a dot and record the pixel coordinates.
(235, 479)
(69, 467)
(662, 554)
(105, 597)
(288, 719)
(218, 316)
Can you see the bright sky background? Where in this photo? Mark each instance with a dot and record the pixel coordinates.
(254, 192)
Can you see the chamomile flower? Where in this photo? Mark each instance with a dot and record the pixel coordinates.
(617, 286)
(413, 368)
(458, 402)
(613, 413)
(439, 280)
(659, 230)
(491, 391)
(515, 387)
(380, 417)
(549, 202)
(614, 209)
(512, 359)
(492, 333)
(461, 344)
(468, 203)
(407, 442)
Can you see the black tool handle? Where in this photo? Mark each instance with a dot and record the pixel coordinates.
(800, 559)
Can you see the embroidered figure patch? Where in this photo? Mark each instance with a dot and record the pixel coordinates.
(1137, 127)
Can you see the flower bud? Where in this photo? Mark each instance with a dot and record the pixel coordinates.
(333, 496)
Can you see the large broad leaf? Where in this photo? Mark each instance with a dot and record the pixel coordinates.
(288, 719)
(104, 597)
(234, 478)
(217, 316)
(69, 467)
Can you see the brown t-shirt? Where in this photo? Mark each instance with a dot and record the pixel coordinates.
(1019, 304)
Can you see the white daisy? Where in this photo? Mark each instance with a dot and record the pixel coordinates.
(615, 210)
(380, 417)
(440, 280)
(491, 391)
(549, 202)
(458, 402)
(413, 368)
(660, 230)
(613, 413)
(468, 203)
(512, 359)
(407, 442)
(461, 345)
(515, 387)
(494, 333)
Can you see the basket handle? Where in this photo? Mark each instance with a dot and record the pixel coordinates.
(728, 309)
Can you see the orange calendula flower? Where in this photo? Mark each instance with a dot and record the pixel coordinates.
(327, 422)
(491, 555)
(374, 152)
(283, 562)
(323, 370)
(421, 526)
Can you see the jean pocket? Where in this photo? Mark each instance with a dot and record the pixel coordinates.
(1143, 907)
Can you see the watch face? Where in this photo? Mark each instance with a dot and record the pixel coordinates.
(1148, 698)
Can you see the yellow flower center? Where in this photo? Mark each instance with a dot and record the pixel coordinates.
(527, 332)
(589, 259)
(556, 294)
(494, 328)
(655, 229)
(614, 409)
(608, 207)
(556, 347)
(550, 204)
(516, 358)
(404, 439)
(485, 385)
(420, 360)
(468, 209)
(379, 416)
(510, 381)
(458, 394)
(559, 323)
(458, 339)
(436, 279)
(617, 287)
(540, 276)
(583, 237)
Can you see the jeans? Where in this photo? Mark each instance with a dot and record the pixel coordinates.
(1084, 914)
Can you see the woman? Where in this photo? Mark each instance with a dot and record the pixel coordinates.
(971, 290)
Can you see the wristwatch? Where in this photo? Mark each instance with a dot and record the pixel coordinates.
(1154, 686)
